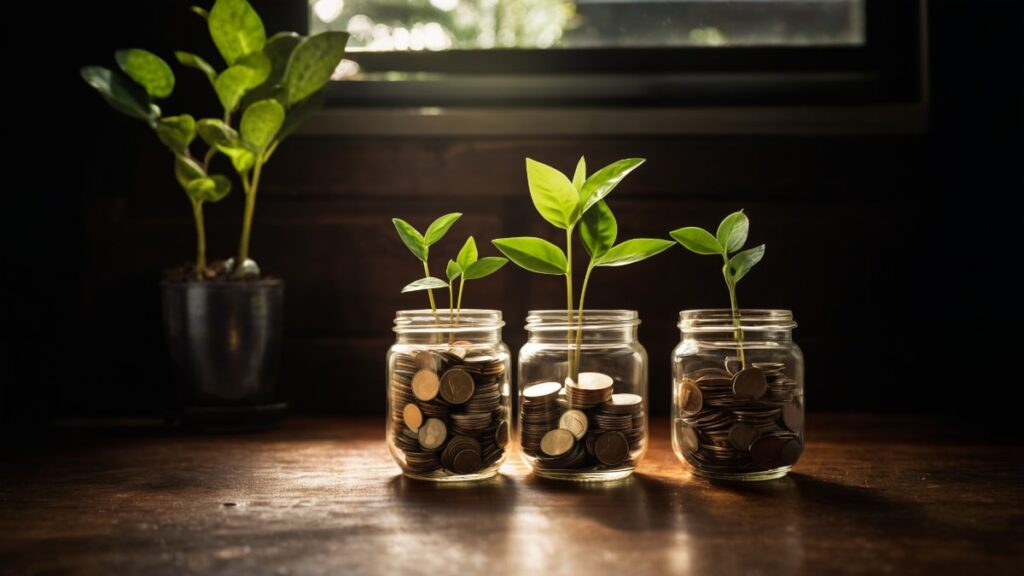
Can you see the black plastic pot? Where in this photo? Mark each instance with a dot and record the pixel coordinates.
(225, 340)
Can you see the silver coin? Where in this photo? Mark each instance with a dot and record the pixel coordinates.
(574, 421)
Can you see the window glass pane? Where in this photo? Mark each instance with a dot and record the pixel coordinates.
(394, 25)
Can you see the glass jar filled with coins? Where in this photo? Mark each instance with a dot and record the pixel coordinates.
(582, 395)
(738, 394)
(448, 395)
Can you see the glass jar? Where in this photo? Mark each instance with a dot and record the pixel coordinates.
(592, 426)
(738, 394)
(448, 395)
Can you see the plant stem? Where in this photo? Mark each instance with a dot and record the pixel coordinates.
(197, 212)
(251, 187)
(458, 308)
(208, 157)
(579, 319)
(430, 293)
(738, 332)
(573, 373)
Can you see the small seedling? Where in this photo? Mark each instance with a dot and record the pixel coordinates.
(419, 245)
(729, 239)
(567, 204)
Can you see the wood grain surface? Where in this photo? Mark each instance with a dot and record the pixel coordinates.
(321, 496)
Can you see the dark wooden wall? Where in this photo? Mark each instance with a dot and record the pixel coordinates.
(885, 247)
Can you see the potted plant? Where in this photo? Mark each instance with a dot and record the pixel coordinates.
(448, 371)
(738, 391)
(583, 373)
(223, 319)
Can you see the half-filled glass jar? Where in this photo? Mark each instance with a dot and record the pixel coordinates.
(738, 394)
(582, 395)
(448, 394)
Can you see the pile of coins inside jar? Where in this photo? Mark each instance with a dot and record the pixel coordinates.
(733, 420)
(448, 413)
(581, 425)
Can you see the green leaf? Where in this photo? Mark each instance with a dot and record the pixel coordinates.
(260, 123)
(191, 60)
(215, 133)
(468, 254)
(553, 194)
(236, 29)
(438, 228)
(411, 237)
(697, 240)
(580, 176)
(234, 82)
(223, 187)
(732, 232)
(484, 267)
(202, 12)
(122, 95)
(602, 182)
(242, 158)
(534, 254)
(598, 229)
(187, 170)
(201, 188)
(312, 63)
(428, 283)
(633, 251)
(453, 270)
(147, 70)
(741, 263)
(177, 132)
(279, 50)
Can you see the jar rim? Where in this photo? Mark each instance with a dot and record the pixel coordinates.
(423, 320)
(751, 319)
(593, 319)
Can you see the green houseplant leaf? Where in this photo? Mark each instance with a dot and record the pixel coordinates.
(732, 232)
(468, 254)
(439, 227)
(279, 49)
(190, 60)
(741, 263)
(122, 95)
(242, 158)
(579, 177)
(484, 267)
(452, 271)
(260, 123)
(632, 251)
(598, 229)
(236, 29)
(602, 182)
(215, 133)
(428, 283)
(533, 254)
(697, 240)
(553, 194)
(187, 170)
(312, 63)
(412, 239)
(232, 84)
(147, 70)
(177, 132)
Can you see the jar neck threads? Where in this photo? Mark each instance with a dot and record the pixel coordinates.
(599, 326)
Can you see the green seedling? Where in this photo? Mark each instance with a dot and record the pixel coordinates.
(419, 245)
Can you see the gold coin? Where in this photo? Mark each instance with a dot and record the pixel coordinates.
(457, 386)
(425, 385)
(412, 416)
(574, 421)
(557, 442)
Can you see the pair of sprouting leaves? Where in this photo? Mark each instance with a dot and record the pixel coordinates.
(466, 266)
(264, 76)
(729, 238)
(580, 202)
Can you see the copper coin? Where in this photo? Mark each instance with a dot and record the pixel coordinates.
(426, 360)
(766, 451)
(557, 442)
(790, 452)
(432, 433)
(456, 386)
(742, 436)
(611, 448)
(690, 398)
(425, 385)
(466, 461)
(412, 416)
(793, 417)
(749, 384)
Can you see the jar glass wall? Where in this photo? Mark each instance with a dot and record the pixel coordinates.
(448, 394)
(594, 426)
(738, 394)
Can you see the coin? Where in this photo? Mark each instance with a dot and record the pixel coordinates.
(625, 403)
(742, 436)
(793, 417)
(412, 417)
(425, 385)
(432, 433)
(688, 437)
(611, 448)
(766, 450)
(591, 381)
(426, 360)
(466, 462)
(574, 421)
(501, 434)
(790, 452)
(749, 384)
(541, 390)
(557, 442)
(690, 398)
(456, 386)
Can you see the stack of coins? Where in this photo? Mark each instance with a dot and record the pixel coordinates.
(581, 425)
(734, 420)
(448, 413)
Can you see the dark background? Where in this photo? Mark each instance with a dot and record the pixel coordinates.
(895, 252)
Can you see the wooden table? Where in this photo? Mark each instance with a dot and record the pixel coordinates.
(870, 496)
